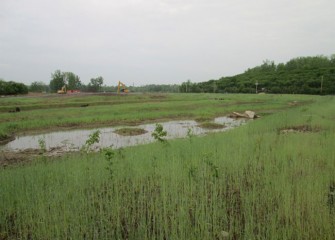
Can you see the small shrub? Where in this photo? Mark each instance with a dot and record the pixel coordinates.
(159, 133)
(92, 139)
(109, 156)
(190, 134)
(41, 143)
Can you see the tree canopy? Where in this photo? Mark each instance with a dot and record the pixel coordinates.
(303, 75)
(12, 88)
(38, 87)
(95, 84)
(59, 79)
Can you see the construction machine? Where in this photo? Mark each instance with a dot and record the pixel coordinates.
(62, 91)
(122, 88)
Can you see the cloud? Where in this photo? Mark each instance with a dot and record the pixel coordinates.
(158, 41)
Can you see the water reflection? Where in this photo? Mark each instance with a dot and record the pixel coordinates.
(73, 140)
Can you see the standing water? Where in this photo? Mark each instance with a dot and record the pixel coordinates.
(73, 140)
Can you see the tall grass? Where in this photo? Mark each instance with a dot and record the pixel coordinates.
(252, 182)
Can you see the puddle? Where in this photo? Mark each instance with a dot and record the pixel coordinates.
(73, 140)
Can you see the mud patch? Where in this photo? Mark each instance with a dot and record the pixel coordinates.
(130, 131)
(211, 125)
(4, 139)
(300, 129)
(293, 103)
(29, 155)
(9, 158)
(203, 119)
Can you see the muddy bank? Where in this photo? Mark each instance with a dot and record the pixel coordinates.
(10, 158)
(6, 139)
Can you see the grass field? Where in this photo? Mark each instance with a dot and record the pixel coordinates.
(272, 178)
(55, 112)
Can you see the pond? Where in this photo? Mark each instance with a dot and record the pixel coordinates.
(73, 140)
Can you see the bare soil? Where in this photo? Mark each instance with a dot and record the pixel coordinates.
(211, 125)
(8, 158)
(130, 131)
(300, 129)
(6, 139)
(13, 158)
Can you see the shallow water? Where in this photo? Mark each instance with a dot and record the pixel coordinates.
(73, 140)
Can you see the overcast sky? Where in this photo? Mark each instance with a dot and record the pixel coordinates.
(158, 41)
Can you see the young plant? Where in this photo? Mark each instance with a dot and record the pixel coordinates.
(41, 143)
(190, 134)
(159, 133)
(109, 156)
(92, 139)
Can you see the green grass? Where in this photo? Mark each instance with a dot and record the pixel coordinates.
(48, 113)
(251, 182)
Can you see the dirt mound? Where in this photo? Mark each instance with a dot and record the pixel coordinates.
(300, 129)
(246, 114)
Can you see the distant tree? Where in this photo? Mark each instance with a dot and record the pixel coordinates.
(186, 86)
(59, 79)
(95, 84)
(161, 88)
(332, 60)
(12, 88)
(2, 86)
(38, 87)
(72, 80)
(298, 75)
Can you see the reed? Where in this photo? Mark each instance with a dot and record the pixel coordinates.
(253, 182)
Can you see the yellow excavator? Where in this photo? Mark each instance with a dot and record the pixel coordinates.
(62, 91)
(122, 88)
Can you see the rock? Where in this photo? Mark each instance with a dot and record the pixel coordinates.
(239, 115)
(246, 114)
(250, 114)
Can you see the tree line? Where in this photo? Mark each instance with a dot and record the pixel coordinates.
(302, 75)
(72, 82)
(12, 88)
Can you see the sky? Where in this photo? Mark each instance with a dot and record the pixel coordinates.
(141, 42)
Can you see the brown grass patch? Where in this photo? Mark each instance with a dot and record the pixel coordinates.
(211, 125)
(130, 131)
(300, 129)
(203, 119)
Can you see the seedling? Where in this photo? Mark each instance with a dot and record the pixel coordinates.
(92, 139)
(159, 133)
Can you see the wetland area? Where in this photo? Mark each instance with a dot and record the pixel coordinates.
(272, 178)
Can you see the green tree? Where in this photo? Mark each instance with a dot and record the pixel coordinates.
(57, 81)
(37, 87)
(298, 75)
(186, 86)
(72, 80)
(12, 88)
(95, 84)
